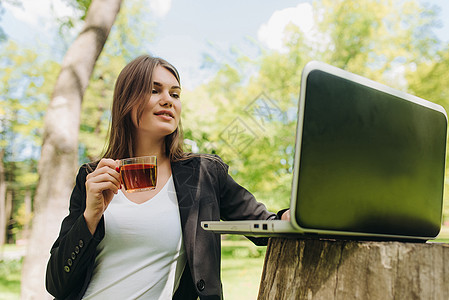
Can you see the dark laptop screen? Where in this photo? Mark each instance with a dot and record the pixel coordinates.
(370, 161)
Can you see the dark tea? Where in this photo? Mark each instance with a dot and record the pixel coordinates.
(137, 177)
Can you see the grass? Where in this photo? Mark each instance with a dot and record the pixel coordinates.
(241, 268)
(10, 271)
(10, 279)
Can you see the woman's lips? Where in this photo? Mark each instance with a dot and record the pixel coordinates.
(165, 114)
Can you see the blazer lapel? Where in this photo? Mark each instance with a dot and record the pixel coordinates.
(186, 181)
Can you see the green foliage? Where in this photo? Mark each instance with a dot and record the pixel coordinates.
(241, 268)
(239, 246)
(24, 94)
(81, 5)
(23, 217)
(371, 38)
(21, 181)
(10, 272)
(429, 79)
(68, 22)
(3, 36)
(25, 84)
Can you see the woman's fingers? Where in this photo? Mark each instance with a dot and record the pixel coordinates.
(107, 162)
(97, 188)
(106, 175)
(105, 171)
(286, 215)
(101, 185)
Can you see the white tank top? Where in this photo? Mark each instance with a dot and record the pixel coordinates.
(142, 254)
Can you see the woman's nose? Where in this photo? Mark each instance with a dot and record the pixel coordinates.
(166, 100)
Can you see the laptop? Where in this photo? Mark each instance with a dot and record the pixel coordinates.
(369, 163)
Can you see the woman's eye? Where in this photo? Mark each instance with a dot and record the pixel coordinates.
(154, 91)
(175, 96)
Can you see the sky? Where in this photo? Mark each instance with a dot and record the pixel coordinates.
(186, 29)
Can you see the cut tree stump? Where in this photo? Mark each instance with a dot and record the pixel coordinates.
(340, 269)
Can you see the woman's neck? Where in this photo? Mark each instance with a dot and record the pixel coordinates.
(144, 147)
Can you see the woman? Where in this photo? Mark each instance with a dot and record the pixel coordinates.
(147, 245)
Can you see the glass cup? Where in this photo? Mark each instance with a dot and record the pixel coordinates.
(139, 173)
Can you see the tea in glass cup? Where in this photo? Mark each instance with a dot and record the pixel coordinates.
(139, 173)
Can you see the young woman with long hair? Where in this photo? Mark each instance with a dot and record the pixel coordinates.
(147, 245)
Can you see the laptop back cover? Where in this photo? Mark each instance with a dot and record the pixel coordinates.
(369, 159)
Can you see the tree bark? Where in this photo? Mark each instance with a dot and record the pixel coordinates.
(28, 212)
(9, 208)
(329, 269)
(3, 218)
(59, 152)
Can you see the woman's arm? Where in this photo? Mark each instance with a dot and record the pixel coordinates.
(73, 253)
(237, 203)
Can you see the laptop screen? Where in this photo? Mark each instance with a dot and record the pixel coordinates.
(370, 161)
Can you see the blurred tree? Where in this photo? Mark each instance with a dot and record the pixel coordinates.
(60, 139)
(126, 41)
(249, 118)
(4, 215)
(3, 35)
(375, 38)
(242, 115)
(429, 79)
(24, 81)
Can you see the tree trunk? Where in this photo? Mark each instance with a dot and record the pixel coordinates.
(59, 152)
(3, 220)
(28, 211)
(329, 269)
(8, 211)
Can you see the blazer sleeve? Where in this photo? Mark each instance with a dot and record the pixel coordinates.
(73, 254)
(237, 203)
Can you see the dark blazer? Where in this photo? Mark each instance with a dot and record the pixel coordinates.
(205, 191)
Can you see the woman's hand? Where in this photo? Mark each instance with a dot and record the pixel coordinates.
(101, 185)
(286, 215)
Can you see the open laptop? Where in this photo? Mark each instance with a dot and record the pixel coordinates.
(369, 163)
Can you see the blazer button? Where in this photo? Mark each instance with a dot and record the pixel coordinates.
(200, 284)
(77, 249)
(73, 256)
(81, 243)
(67, 269)
(69, 262)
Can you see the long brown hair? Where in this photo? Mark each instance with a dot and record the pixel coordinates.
(133, 85)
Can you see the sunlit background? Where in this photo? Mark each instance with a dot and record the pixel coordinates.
(240, 64)
(184, 32)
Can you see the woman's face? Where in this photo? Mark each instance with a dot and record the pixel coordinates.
(163, 108)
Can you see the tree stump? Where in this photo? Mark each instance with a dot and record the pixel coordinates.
(339, 269)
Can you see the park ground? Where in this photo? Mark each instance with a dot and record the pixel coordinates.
(242, 264)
